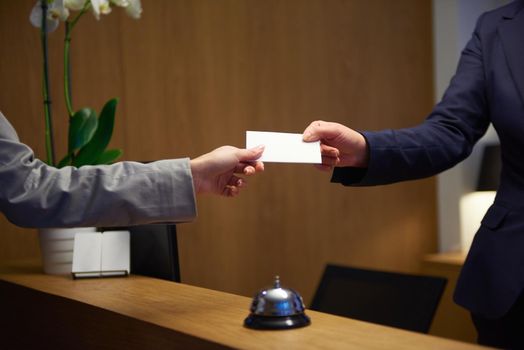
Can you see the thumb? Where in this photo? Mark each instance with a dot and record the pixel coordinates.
(250, 154)
(319, 130)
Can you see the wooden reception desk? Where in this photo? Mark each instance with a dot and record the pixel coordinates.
(43, 311)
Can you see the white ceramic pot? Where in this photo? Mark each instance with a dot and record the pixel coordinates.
(56, 245)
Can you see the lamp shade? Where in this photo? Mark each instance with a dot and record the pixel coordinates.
(489, 176)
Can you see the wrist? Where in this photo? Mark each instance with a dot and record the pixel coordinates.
(362, 155)
(194, 165)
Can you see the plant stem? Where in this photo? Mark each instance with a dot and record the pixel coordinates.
(49, 140)
(67, 70)
(67, 61)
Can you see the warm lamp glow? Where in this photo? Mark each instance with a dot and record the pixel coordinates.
(473, 206)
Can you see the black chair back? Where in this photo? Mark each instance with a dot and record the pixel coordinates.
(393, 299)
(154, 251)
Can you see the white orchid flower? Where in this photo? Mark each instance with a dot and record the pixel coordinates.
(36, 18)
(134, 9)
(120, 3)
(100, 7)
(75, 5)
(55, 12)
(58, 10)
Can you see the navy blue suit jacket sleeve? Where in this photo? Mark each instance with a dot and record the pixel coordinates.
(488, 87)
(445, 138)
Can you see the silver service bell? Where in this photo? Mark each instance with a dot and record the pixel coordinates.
(277, 308)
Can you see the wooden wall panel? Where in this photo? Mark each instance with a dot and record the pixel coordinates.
(195, 74)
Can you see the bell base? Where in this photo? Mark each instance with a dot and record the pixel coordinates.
(276, 322)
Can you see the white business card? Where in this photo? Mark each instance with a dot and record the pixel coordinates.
(283, 147)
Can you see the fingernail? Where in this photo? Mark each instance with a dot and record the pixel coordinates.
(307, 136)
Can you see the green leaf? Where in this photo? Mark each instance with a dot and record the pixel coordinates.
(82, 127)
(109, 156)
(88, 154)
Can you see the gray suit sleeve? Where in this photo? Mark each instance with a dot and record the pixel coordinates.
(33, 194)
